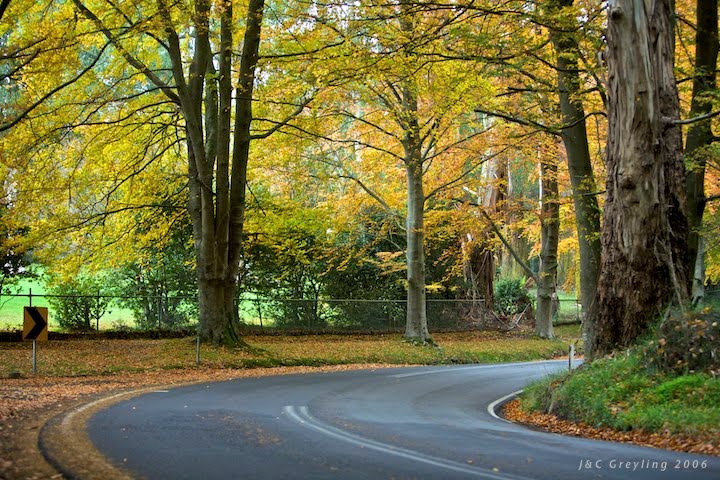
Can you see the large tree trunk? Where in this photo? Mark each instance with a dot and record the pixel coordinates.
(217, 189)
(644, 265)
(582, 179)
(416, 326)
(479, 265)
(217, 305)
(700, 134)
(550, 234)
(416, 323)
(479, 272)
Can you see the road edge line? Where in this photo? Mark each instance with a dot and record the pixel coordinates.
(65, 443)
(493, 407)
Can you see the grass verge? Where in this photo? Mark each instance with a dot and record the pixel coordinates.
(623, 394)
(98, 357)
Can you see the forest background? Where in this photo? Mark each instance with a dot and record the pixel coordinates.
(317, 150)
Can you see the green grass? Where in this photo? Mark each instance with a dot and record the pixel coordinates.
(624, 394)
(11, 308)
(91, 357)
(568, 310)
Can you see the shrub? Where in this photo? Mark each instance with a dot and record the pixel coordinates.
(687, 342)
(511, 297)
(78, 304)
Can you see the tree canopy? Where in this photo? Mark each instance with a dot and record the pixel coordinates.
(308, 143)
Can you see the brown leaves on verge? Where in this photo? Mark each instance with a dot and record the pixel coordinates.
(707, 446)
(26, 403)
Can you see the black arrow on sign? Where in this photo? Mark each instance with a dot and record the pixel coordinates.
(39, 326)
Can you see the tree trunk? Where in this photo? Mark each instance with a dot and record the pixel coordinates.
(217, 305)
(697, 291)
(416, 325)
(479, 267)
(217, 189)
(644, 249)
(547, 276)
(700, 134)
(582, 179)
(479, 271)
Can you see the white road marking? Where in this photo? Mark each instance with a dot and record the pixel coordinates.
(491, 408)
(68, 419)
(303, 417)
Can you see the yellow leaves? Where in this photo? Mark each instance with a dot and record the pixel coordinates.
(390, 262)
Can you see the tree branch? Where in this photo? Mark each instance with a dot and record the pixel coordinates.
(3, 6)
(699, 118)
(519, 121)
(370, 192)
(41, 100)
(512, 251)
(464, 174)
(125, 54)
(287, 120)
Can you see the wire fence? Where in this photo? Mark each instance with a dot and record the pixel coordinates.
(175, 312)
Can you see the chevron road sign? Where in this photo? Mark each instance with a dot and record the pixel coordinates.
(35, 324)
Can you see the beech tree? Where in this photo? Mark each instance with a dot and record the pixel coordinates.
(403, 117)
(700, 134)
(644, 234)
(181, 76)
(563, 33)
(218, 143)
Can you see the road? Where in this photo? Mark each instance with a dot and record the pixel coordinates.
(411, 423)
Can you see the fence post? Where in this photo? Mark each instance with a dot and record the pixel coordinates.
(34, 357)
(577, 310)
(159, 311)
(197, 350)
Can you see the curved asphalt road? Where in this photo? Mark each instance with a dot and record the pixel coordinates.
(411, 423)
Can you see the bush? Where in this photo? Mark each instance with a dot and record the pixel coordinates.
(687, 342)
(511, 297)
(78, 304)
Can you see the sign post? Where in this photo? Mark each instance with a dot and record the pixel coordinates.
(35, 328)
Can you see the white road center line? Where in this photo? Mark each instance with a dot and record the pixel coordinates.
(303, 417)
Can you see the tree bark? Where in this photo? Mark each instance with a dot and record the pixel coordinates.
(582, 179)
(217, 189)
(479, 265)
(700, 134)
(217, 303)
(550, 233)
(479, 271)
(416, 328)
(644, 250)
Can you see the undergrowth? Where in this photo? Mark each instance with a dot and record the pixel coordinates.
(668, 382)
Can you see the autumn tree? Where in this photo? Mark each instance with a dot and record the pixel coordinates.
(564, 29)
(700, 135)
(527, 79)
(409, 111)
(644, 234)
(181, 77)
